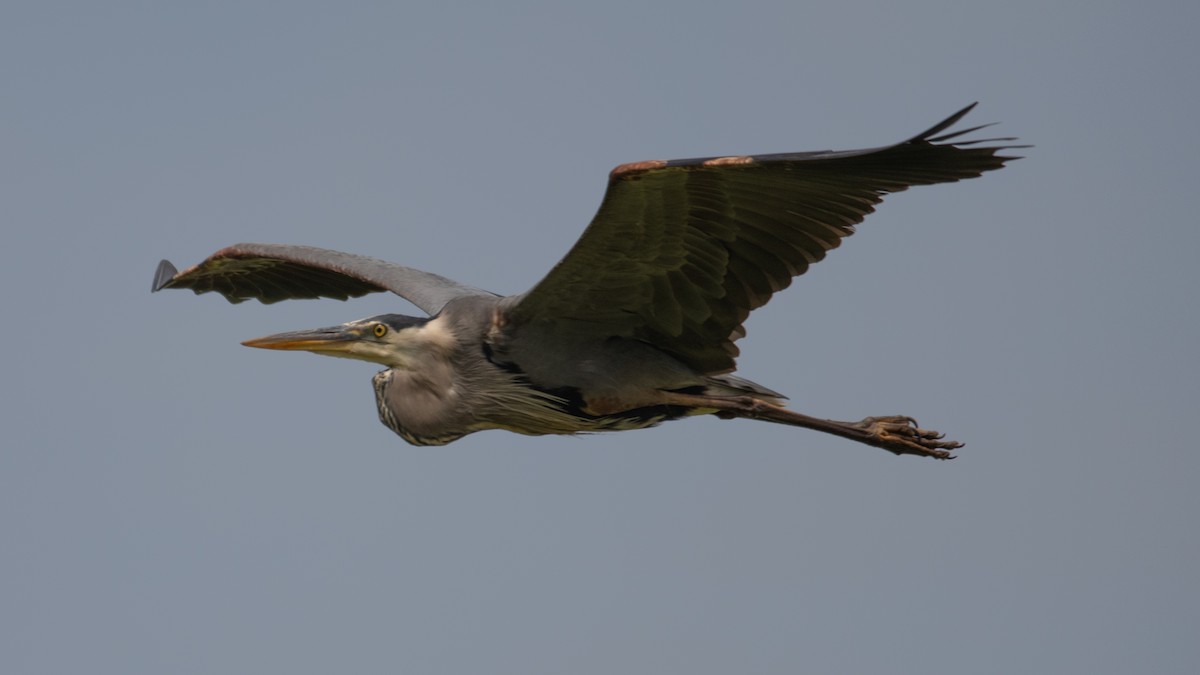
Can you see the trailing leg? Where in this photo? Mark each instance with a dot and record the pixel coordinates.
(898, 434)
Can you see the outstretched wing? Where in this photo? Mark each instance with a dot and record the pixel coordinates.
(273, 272)
(680, 252)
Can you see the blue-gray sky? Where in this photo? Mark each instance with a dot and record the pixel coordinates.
(172, 502)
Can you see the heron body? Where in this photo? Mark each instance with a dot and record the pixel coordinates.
(636, 325)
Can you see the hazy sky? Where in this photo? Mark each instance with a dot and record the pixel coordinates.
(172, 502)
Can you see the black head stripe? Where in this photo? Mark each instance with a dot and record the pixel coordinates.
(400, 321)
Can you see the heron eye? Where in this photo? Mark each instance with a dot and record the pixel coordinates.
(380, 330)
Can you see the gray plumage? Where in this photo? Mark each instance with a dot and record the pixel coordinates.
(636, 324)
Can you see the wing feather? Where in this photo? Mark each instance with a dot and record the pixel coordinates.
(273, 272)
(680, 252)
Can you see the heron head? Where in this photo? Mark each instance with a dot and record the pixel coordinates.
(388, 339)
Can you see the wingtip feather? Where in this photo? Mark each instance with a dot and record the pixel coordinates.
(944, 124)
(163, 275)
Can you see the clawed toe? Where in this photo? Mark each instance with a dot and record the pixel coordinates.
(902, 435)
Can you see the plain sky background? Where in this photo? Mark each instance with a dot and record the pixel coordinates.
(172, 502)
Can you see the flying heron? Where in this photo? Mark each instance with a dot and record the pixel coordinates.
(637, 324)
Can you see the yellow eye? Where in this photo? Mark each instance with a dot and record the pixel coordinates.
(380, 330)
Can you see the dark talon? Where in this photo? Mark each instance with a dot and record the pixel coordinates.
(902, 435)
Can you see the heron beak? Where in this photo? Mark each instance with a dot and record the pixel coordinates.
(332, 339)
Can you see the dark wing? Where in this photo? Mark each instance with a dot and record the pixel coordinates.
(273, 272)
(680, 252)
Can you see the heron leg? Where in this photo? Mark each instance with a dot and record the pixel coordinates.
(898, 434)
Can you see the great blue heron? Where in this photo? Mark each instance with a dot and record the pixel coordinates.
(636, 325)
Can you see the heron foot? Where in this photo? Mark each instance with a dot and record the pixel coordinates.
(901, 435)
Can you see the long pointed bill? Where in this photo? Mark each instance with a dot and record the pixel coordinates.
(333, 339)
